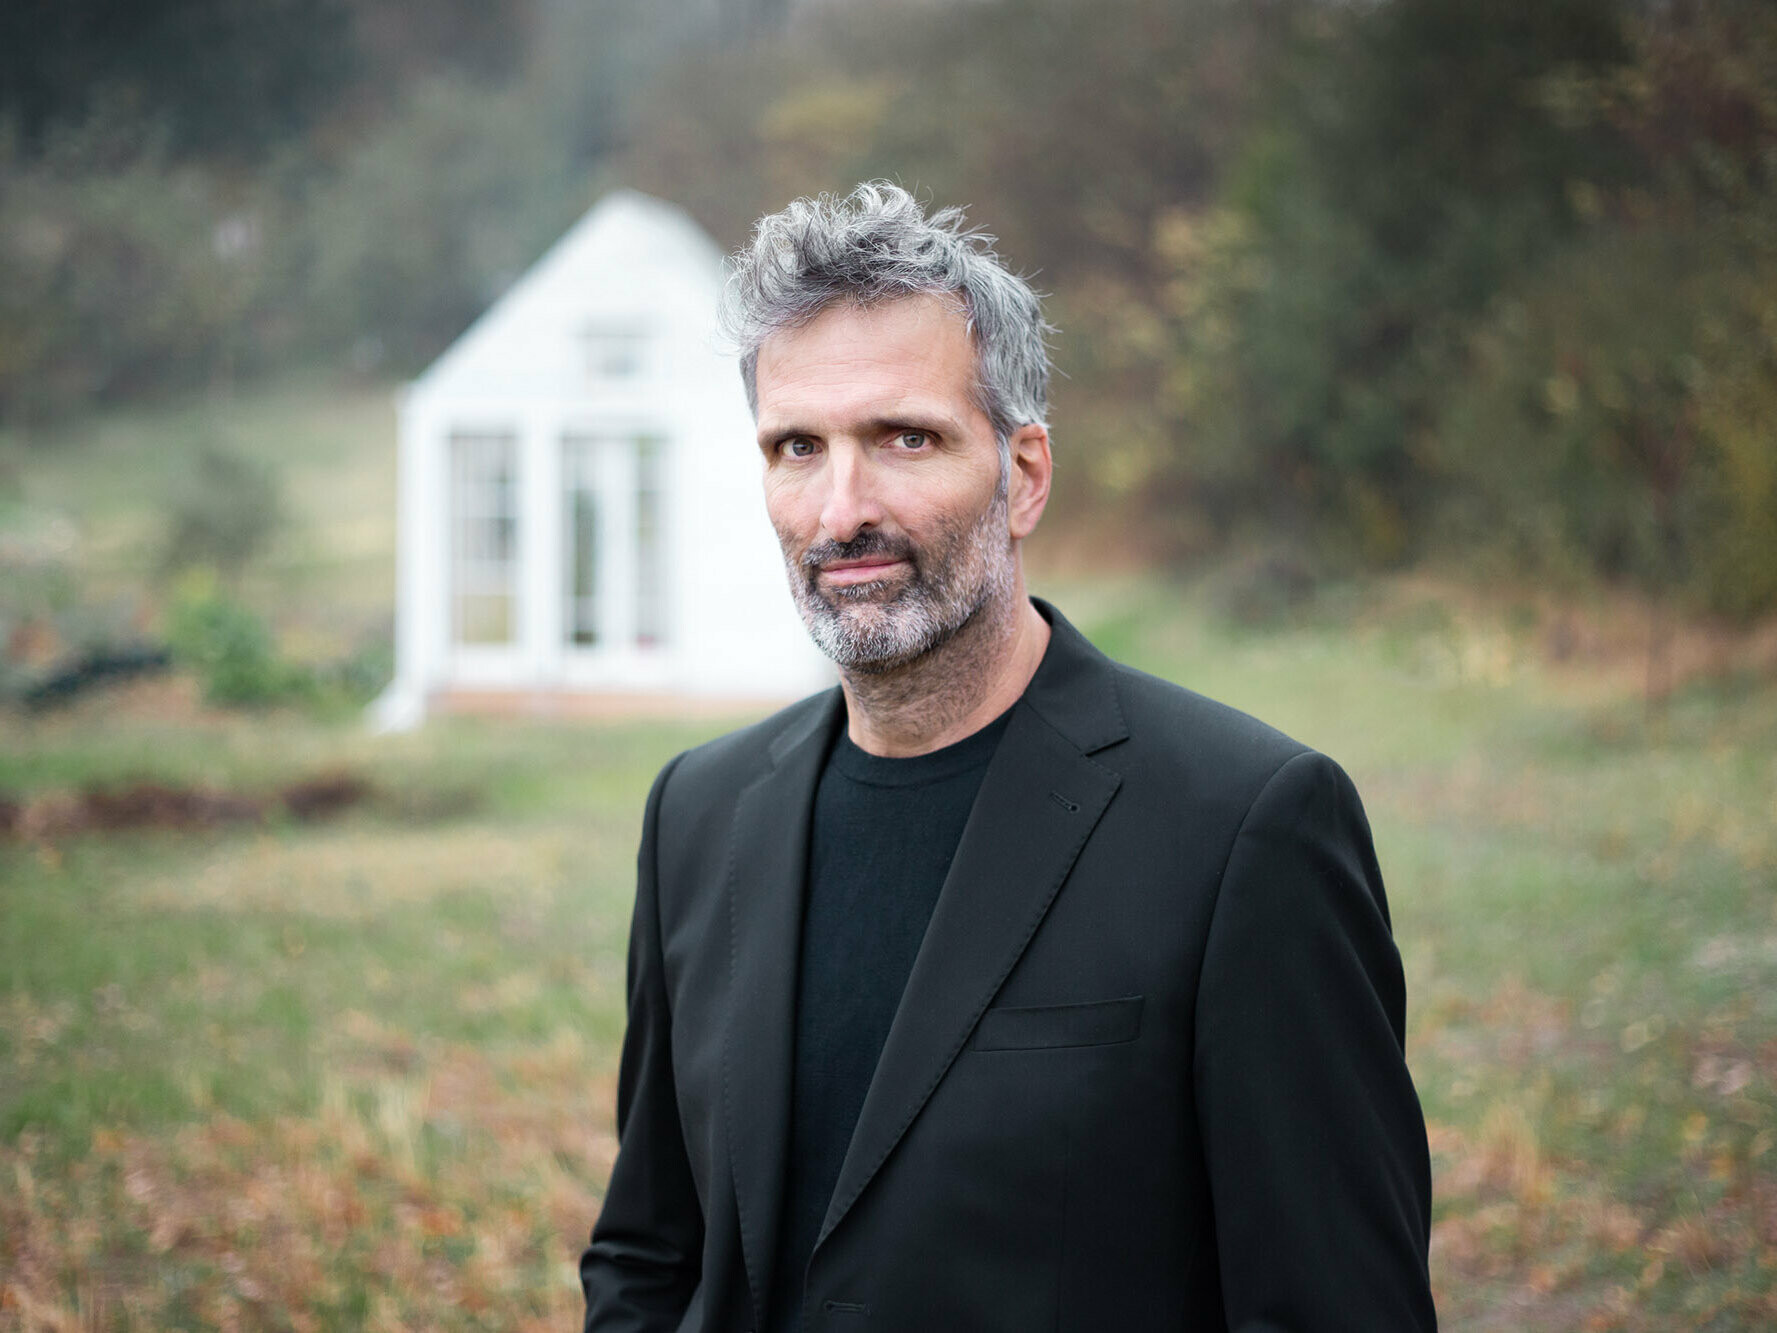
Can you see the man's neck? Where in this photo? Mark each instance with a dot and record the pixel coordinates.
(953, 691)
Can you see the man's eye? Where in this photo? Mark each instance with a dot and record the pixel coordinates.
(800, 447)
(913, 439)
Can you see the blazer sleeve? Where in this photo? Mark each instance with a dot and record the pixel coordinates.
(642, 1267)
(1313, 1136)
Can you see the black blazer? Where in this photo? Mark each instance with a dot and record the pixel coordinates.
(1147, 1072)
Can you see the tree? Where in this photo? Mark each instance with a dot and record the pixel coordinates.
(1413, 160)
(222, 513)
(218, 77)
(1615, 412)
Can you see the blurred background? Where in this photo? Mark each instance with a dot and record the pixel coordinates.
(1417, 391)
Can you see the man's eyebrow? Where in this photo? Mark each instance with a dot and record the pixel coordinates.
(914, 418)
(778, 434)
(931, 420)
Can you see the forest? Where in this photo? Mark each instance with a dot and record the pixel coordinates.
(1346, 287)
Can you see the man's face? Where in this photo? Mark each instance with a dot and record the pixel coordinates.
(883, 479)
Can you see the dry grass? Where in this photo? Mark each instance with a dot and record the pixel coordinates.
(441, 1197)
(353, 874)
(358, 1076)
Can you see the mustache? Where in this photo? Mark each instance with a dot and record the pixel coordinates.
(867, 544)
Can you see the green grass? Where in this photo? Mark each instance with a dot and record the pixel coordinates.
(224, 956)
(401, 1024)
(330, 568)
(359, 1074)
(1586, 903)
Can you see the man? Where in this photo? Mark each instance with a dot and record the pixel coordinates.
(1003, 987)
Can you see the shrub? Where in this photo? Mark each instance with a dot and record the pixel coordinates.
(223, 511)
(229, 647)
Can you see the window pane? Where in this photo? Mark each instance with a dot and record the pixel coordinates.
(484, 618)
(580, 530)
(614, 354)
(483, 537)
(651, 593)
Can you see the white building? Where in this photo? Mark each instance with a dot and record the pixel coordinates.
(580, 513)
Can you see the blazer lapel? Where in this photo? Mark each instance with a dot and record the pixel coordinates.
(1039, 801)
(767, 869)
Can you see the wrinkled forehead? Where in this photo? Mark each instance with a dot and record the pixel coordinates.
(923, 322)
(867, 360)
(954, 302)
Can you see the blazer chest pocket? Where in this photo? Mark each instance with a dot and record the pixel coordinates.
(1099, 1023)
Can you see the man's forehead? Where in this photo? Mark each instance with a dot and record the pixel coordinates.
(921, 303)
(848, 396)
(918, 335)
(932, 315)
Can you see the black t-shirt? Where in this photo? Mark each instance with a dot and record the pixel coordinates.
(880, 844)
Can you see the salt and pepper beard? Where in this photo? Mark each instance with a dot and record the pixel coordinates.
(950, 581)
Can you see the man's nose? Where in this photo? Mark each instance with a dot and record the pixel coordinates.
(851, 503)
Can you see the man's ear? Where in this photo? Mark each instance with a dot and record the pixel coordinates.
(1027, 489)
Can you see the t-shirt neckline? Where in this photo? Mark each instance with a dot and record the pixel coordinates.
(971, 752)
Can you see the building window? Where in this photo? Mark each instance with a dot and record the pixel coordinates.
(651, 593)
(580, 533)
(614, 354)
(614, 575)
(484, 538)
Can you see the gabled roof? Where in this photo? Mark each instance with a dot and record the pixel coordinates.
(631, 263)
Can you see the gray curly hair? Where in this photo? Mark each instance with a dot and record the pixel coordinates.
(877, 244)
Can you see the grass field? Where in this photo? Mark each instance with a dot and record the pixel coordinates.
(110, 478)
(357, 1074)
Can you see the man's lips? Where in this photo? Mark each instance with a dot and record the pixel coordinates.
(860, 571)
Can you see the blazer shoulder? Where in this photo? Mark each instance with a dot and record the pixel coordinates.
(1178, 726)
(731, 761)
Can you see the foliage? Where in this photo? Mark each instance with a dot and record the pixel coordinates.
(1495, 280)
(1614, 419)
(275, 64)
(1410, 163)
(53, 639)
(229, 648)
(1084, 136)
(1288, 242)
(160, 237)
(228, 80)
(233, 652)
(80, 546)
(1614, 407)
(355, 679)
(124, 271)
(430, 220)
(427, 219)
(223, 510)
(36, 574)
(1275, 236)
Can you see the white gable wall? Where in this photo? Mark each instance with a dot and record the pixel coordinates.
(631, 265)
